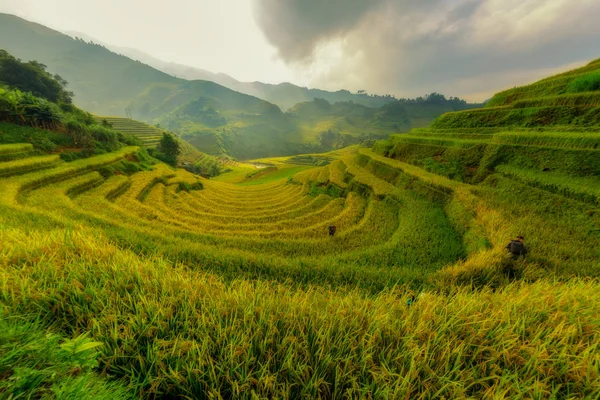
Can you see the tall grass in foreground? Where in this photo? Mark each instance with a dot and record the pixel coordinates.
(176, 332)
(37, 364)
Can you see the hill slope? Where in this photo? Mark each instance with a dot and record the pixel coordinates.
(198, 288)
(216, 120)
(106, 83)
(171, 278)
(568, 99)
(284, 95)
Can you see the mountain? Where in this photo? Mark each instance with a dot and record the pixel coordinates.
(173, 69)
(285, 95)
(214, 118)
(109, 84)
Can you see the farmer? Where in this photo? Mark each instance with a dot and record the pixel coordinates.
(516, 248)
(332, 230)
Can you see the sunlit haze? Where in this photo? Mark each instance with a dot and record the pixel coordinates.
(405, 48)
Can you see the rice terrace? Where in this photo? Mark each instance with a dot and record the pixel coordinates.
(457, 259)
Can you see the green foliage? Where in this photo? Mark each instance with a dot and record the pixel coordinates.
(123, 167)
(570, 100)
(26, 109)
(187, 187)
(330, 189)
(314, 160)
(42, 140)
(575, 81)
(69, 126)
(169, 149)
(36, 364)
(206, 166)
(583, 189)
(33, 77)
(520, 117)
(585, 83)
(453, 169)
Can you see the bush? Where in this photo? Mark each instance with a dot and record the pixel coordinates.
(169, 148)
(33, 77)
(104, 138)
(328, 189)
(123, 167)
(69, 156)
(129, 140)
(586, 83)
(207, 166)
(187, 187)
(25, 109)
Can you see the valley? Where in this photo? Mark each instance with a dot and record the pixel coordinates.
(333, 250)
(216, 120)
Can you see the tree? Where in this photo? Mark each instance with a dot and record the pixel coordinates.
(170, 148)
(32, 77)
(435, 98)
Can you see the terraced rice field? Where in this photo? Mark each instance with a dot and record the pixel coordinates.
(233, 288)
(274, 228)
(224, 291)
(148, 134)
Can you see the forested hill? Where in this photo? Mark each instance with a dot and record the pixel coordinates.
(107, 83)
(215, 119)
(285, 95)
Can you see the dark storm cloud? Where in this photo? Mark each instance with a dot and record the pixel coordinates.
(415, 46)
(296, 26)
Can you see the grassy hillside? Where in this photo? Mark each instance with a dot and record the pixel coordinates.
(532, 170)
(284, 95)
(125, 278)
(316, 126)
(571, 99)
(109, 84)
(150, 137)
(228, 289)
(106, 83)
(555, 90)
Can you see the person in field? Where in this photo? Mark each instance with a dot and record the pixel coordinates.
(516, 248)
(332, 229)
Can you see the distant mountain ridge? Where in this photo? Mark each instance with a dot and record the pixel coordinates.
(285, 95)
(217, 120)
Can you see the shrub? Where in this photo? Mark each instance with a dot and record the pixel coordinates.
(586, 83)
(33, 77)
(169, 148)
(123, 167)
(69, 156)
(328, 189)
(187, 187)
(25, 109)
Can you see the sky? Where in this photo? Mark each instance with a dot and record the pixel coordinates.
(465, 48)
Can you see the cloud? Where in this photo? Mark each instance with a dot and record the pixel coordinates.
(296, 26)
(411, 47)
